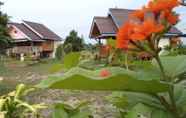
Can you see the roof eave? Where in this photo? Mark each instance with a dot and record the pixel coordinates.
(173, 35)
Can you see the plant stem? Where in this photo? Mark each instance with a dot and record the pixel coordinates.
(172, 108)
(161, 67)
(126, 61)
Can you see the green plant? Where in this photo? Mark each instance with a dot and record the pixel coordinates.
(73, 43)
(13, 106)
(4, 37)
(60, 52)
(152, 90)
(62, 110)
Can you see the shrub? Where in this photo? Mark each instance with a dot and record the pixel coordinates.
(59, 52)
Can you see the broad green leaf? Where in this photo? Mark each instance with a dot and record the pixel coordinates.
(91, 64)
(81, 115)
(180, 97)
(173, 65)
(139, 111)
(71, 60)
(62, 110)
(156, 113)
(133, 98)
(146, 70)
(144, 111)
(118, 100)
(119, 80)
(59, 112)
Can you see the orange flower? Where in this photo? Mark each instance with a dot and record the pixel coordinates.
(172, 3)
(123, 35)
(169, 16)
(143, 31)
(104, 73)
(172, 19)
(138, 36)
(157, 6)
(140, 14)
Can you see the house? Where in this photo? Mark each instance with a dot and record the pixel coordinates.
(107, 27)
(33, 39)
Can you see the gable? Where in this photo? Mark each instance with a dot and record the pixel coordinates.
(102, 26)
(15, 33)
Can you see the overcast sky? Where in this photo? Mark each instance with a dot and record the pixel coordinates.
(64, 15)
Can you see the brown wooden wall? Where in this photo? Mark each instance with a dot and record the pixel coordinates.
(48, 46)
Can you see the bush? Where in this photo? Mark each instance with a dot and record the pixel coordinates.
(59, 52)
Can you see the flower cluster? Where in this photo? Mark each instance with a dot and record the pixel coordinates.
(155, 18)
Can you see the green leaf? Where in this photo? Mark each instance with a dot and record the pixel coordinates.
(139, 111)
(59, 111)
(71, 60)
(180, 97)
(133, 98)
(62, 110)
(173, 65)
(156, 113)
(119, 80)
(118, 100)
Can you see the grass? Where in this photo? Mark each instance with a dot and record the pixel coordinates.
(15, 72)
(14, 68)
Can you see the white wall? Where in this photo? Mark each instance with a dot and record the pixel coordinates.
(164, 42)
(56, 44)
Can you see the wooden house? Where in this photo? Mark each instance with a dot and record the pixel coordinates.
(34, 39)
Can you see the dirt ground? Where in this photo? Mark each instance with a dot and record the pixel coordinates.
(31, 75)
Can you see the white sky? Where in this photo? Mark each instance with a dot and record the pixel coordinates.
(64, 15)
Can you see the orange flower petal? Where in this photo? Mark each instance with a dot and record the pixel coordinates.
(137, 36)
(140, 14)
(123, 35)
(172, 19)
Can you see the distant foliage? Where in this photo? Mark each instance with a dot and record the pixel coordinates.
(59, 52)
(73, 42)
(4, 37)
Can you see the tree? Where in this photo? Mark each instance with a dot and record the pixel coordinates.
(4, 36)
(74, 42)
